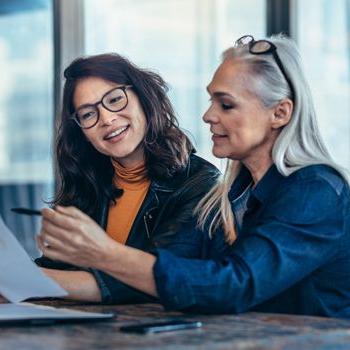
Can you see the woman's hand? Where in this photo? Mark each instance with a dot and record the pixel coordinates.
(69, 235)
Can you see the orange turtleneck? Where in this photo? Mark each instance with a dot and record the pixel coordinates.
(135, 184)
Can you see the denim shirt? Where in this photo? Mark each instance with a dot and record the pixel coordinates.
(292, 253)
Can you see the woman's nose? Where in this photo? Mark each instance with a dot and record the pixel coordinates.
(106, 117)
(209, 116)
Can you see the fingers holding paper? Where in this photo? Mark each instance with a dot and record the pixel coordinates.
(69, 235)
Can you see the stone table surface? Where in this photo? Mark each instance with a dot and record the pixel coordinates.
(244, 331)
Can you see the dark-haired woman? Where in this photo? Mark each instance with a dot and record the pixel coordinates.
(124, 162)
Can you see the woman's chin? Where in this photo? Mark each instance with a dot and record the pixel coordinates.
(219, 153)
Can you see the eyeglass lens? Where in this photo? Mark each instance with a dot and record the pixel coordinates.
(246, 39)
(260, 46)
(113, 101)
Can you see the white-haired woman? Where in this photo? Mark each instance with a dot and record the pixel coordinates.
(283, 205)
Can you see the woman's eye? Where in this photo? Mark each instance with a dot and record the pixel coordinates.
(115, 100)
(226, 106)
(87, 115)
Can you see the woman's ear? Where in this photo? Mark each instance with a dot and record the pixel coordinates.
(282, 113)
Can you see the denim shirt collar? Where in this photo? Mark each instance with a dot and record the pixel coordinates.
(267, 184)
(240, 184)
(262, 191)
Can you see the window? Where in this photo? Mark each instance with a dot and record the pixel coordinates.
(26, 111)
(322, 32)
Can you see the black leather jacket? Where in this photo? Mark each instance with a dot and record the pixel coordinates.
(165, 220)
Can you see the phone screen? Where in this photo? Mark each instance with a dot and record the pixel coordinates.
(161, 326)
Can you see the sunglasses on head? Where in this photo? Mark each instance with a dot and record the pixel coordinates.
(261, 47)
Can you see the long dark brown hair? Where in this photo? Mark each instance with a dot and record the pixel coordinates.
(85, 176)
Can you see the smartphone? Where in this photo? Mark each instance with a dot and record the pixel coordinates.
(161, 326)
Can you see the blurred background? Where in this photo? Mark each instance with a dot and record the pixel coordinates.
(180, 39)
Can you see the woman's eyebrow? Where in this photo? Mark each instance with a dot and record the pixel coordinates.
(84, 105)
(218, 93)
(222, 94)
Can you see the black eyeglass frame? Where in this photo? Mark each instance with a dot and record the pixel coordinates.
(74, 115)
(272, 49)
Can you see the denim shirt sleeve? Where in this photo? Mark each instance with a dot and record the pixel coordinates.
(299, 232)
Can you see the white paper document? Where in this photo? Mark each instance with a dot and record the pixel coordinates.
(20, 278)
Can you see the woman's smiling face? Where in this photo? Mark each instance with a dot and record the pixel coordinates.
(118, 135)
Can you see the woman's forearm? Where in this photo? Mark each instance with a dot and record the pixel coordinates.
(131, 266)
(80, 285)
(73, 237)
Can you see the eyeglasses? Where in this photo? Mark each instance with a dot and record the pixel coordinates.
(261, 47)
(115, 100)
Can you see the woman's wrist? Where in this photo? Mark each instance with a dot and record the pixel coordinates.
(110, 257)
(131, 266)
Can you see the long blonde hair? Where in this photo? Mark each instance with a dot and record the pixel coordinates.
(299, 143)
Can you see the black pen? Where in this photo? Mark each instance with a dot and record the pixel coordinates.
(26, 211)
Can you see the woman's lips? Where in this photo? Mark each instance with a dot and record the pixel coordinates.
(217, 137)
(117, 135)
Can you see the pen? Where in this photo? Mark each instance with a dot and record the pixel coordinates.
(26, 211)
